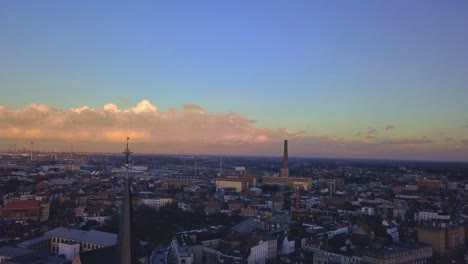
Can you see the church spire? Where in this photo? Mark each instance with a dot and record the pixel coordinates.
(127, 245)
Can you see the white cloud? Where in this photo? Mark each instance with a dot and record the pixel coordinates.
(81, 109)
(111, 108)
(190, 129)
(144, 106)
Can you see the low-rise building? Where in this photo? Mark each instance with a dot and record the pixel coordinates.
(431, 215)
(70, 242)
(241, 182)
(22, 210)
(156, 203)
(398, 254)
(304, 182)
(8, 252)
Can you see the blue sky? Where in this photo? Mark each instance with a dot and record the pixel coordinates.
(329, 68)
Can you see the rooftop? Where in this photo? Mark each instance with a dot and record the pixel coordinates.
(13, 251)
(23, 204)
(33, 241)
(93, 236)
(396, 249)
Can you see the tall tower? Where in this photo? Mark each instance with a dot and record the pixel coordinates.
(285, 170)
(32, 148)
(298, 201)
(127, 246)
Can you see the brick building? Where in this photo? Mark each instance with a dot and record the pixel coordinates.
(445, 239)
(22, 210)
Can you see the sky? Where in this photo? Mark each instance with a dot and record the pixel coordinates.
(345, 79)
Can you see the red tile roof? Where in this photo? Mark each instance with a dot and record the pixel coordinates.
(26, 204)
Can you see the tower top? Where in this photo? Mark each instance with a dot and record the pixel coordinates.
(127, 153)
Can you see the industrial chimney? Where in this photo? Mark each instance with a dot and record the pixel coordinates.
(285, 170)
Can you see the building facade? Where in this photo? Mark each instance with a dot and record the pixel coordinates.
(398, 254)
(445, 239)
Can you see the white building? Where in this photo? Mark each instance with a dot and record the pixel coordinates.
(258, 253)
(99, 219)
(338, 231)
(88, 240)
(287, 246)
(427, 215)
(156, 203)
(69, 249)
(368, 210)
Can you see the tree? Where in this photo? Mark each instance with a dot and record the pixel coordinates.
(111, 225)
(89, 225)
(12, 185)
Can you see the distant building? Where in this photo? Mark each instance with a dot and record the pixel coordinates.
(398, 254)
(428, 215)
(327, 257)
(87, 240)
(70, 242)
(212, 208)
(241, 182)
(432, 185)
(368, 210)
(280, 221)
(181, 181)
(190, 247)
(305, 183)
(24, 210)
(259, 252)
(445, 239)
(156, 203)
(284, 179)
(249, 212)
(8, 252)
(392, 210)
(44, 212)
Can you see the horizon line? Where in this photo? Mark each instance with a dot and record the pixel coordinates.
(9, 152)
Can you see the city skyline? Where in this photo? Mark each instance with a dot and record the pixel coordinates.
(348, 80)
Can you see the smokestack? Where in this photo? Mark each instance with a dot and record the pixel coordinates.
(297, 197)
(285, 170)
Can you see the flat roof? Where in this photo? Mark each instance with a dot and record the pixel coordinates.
(13, 251)
(93, 236)
(395, 249)
(33, 241)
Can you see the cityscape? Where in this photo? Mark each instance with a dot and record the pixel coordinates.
(246, 132)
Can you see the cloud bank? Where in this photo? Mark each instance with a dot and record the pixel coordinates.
(190, 130)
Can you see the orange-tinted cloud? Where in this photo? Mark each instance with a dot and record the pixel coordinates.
(193, 129)
(193, 107)
(407, 141)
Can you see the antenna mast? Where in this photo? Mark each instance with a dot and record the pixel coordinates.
(127, 153)
(32, 148)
